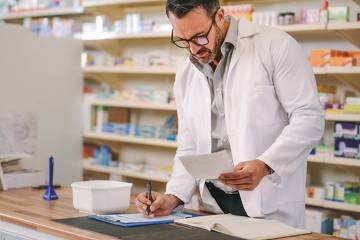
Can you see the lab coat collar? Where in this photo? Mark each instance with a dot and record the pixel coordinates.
(246, 29)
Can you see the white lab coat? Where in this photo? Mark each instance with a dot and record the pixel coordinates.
(272, 113)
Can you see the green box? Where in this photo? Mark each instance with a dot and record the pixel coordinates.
(339, 14)
(352, 198)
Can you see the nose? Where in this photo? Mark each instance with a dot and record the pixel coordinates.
(194, 48)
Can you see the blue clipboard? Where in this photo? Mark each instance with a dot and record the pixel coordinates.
(136, 219)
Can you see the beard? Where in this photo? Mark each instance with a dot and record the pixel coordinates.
(213, 54)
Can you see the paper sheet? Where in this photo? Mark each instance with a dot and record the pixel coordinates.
(17, 135)
(208, 166)
(138, 217)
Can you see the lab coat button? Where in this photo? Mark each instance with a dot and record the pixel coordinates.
(207, 100)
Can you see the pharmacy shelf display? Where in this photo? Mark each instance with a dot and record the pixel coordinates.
(334, 160)
(126, 173)
(105, 3)
(111, 36)
(133, 105)
(43, 13)
(130, 70)
(131, 139)
(333, 205)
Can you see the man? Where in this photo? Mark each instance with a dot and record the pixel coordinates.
(249, 90)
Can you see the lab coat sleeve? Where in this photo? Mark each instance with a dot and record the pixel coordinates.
(181, 183)
(296, 90)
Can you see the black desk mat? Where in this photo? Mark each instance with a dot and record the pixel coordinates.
(150, 232)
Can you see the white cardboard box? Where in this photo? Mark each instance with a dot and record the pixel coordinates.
(23, 178)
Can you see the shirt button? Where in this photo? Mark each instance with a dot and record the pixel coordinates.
(218, 89)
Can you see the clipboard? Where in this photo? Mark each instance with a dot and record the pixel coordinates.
(137, 219)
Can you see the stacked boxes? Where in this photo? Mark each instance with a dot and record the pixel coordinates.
(346, 192)
(346, 140)
(334, 58)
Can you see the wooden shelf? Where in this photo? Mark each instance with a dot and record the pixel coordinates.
(298, 28)
(42, 13)
(336, 70)
(349, 31)
(105, 3)
(106, 36)
(334, 160)
(130, 70)
(333, 205)
(135, 105)
(342, 117)
(131, 139)
(126, 173)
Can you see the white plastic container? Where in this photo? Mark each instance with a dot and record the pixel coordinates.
(101, 196)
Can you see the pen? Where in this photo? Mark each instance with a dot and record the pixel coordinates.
(148, 196)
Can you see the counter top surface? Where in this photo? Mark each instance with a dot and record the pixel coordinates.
(25, 207)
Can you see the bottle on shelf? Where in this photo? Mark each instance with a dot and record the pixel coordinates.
(324, 15)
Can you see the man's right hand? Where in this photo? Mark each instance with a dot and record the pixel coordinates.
(161, 206)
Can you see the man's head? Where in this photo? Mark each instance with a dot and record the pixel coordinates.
(198, 25)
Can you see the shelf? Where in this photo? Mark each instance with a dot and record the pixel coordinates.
(105, 3)
(342, 117)
(297, 28)
(336, 70)
(334, 160)
(131, 139)
(350, 31)
(130, 70)
(135, 105)
(333, 205)
(124, 36)
(126, 173)
(42, 13)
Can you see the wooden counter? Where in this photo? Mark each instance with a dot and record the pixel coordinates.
(25, 207)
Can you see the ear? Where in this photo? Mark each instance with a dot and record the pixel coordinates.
(220, 16)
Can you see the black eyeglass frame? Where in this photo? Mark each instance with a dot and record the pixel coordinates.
(205, 36)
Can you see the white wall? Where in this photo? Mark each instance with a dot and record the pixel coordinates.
(43, 76)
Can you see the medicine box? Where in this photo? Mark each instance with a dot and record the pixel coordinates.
(339, 14)
(346, 130)
(346, 148)
(318, 221)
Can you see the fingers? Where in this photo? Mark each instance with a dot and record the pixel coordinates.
(157, 204)
(234, 175)
(240, 181)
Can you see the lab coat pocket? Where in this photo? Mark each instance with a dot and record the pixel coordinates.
(268, 110)
(269, 193)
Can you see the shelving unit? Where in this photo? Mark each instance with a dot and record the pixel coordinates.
(342, 117)
(43, 13)
(108, 36)
(130, 70)
(126, 173)
(349, 31)
(105, 3)
(303, 28)
(134, 105)
(334, 161)
(333, 205)
(131, 139)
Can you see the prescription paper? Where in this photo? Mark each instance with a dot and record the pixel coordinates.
(140, 218)
(208, 166)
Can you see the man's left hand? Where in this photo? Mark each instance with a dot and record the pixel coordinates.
(246, 175)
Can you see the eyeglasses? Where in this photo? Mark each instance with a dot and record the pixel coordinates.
(198, 40)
